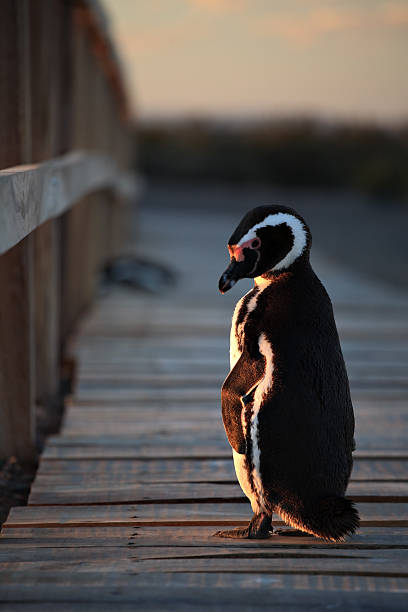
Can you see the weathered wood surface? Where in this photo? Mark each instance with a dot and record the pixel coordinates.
(17, 367)
(128, 496)
(44, 494)
(35, 193)
(191, 470)
(17, 376)
(198, 591)
(65, 136)
(164, 514)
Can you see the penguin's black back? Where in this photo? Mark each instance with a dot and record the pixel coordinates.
(306, 424)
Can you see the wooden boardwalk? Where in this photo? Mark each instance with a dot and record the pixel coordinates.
(127, 497)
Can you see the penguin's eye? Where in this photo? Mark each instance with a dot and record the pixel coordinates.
(256, 243)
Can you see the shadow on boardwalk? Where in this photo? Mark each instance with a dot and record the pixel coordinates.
(128, 495)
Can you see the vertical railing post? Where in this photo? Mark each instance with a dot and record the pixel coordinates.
(46, 23)
(17, 367)
(17, 415)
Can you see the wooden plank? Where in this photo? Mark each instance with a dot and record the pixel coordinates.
(135, 547)
(167, 315)
(382, 424)
(155, 365)
(215, 363)
(376, 428)
(119, 447)
(205, 304)
(190, 492)
(202, 591)
(167, 469)
(148, 338)
(164, 407)
(165, 411)
(140, 428)
(216, 313)
(141, 493)
(392, 439)
(105, 472)
(380, 454)
(378, 469)
(136, 379)
(278, 562)
(89, 387)
(209, 370)
(362, 406)
(104, 357)
(127, 559)
(159, 447)
(14, 539)
(380, 514)
(178, 364)
(152, 406)
(104, 354)
(191, 347)
(386, 329)
(181, 394)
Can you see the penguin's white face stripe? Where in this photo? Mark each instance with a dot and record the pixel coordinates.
(298, 232)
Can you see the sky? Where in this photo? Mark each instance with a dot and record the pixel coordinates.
(342, 59)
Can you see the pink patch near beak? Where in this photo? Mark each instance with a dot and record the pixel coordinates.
(237, 250)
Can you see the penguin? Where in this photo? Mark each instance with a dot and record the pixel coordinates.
(286, 402)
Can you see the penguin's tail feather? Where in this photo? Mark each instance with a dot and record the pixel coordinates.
(333, 518)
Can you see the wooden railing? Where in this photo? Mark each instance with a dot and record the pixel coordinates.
(65, 146)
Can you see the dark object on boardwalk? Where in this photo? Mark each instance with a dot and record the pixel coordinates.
(139, 274)
(286, 402)
(15, 483)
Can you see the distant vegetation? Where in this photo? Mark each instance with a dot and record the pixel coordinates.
(301, 153)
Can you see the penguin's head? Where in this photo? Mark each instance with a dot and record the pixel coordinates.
(268, 241)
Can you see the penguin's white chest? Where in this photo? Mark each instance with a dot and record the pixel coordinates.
(248, 467)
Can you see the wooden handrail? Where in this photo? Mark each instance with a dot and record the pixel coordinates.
(66, 150)
(34, 193)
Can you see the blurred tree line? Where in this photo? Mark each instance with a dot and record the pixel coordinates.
(296, 153)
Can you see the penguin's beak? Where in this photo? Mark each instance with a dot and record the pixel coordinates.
(229, 277)
(237, 270)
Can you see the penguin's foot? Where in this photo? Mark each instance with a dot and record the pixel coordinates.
(290, 532)
(238, 533)
(259, 528)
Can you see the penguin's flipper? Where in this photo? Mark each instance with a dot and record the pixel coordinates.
(237, 392)
(248, 398)
(259, 528)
